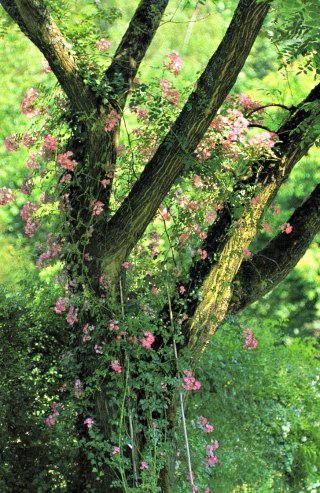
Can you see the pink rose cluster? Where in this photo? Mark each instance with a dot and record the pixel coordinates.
(97, 208)
(212, 459)
(189, 382)
(204, 425)
(264, 140)
(115, 365)
(53, 248)
(112, 121)
(103, 44)
(88, 422)
(60, 306)
(50, 143)
(65, 161)
(6, 195)
(287, 228)
(28, 104)
(250, 342)
(172, 94)
(32, 224)
(51, 419)
(147, 340)
(12, 142)
(173, 62)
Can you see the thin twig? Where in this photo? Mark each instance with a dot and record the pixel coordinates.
(279, 105)
(133, 451)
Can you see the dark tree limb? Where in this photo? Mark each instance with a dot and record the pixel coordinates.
(274, 262)
(130, 221)
(36, 22)
(133, 47)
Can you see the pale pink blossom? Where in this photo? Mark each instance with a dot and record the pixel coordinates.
(165, 214)
(45, 67)
(287, 228)
(263, 140)
(97, 208)
(12, 142)
(32, 161)
(112, 121)
(266, 227)
(103, 44)
(72, 315)
(105, 182)
(60, 306)
(113, 325)
(246, 102)
(173, 62)
(28, 103)
(211, 216)
(115, 365)
(246, 252)
(144, 465)
(204, 425)
(147, 340)
(189, 382)
(115, 450)
(197, 181)
(50, 143)
(250, 342)
(31, 227)
(203, 253)
(89, 422)
(65, 161)
(6, 195)
(50, 420)
(29, 140)
(182, 289)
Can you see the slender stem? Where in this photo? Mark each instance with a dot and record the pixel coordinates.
(123, 476)
(133, 451)
(183, 416)
(121, 297)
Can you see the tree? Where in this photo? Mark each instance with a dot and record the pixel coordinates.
(100, 232)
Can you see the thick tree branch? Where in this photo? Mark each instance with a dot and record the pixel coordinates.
(298, 133)
(290, 148)
(36, 22)
(132, 218)
(274, 262)
(133, 47)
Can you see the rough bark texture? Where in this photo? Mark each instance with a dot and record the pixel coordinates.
(132, 48)
(228, 241)
(38, 25)
(131, 220)
(273, 263)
